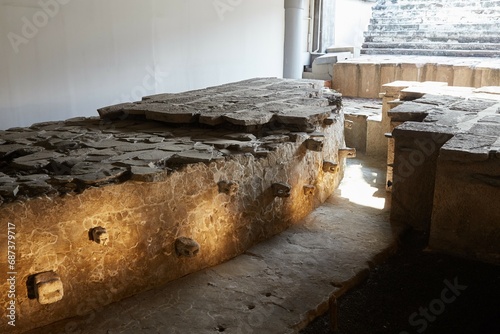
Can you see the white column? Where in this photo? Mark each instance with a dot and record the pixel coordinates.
(294, 18)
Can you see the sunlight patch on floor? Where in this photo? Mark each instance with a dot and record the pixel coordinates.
(359, 186)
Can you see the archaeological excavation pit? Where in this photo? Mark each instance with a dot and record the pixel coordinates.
(234, 208)
(151, 191)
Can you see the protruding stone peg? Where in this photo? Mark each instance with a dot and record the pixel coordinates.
(330, 167)
(347, 153)
(186, 247)
(99, 235)
(48, 287)
(329, 121)
(309, 190)
(313, 144)
(281, 190)
(348, 124)
(227, 187)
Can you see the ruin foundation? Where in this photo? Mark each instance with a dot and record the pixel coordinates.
(444, 165)
(103, 208)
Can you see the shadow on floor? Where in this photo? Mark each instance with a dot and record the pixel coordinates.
(417, 291)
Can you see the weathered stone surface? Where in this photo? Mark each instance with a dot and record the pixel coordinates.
(446, 173)
(48, 287)
(247, 104)
(147, 193)
(268, 288)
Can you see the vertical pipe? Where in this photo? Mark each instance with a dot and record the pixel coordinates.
(294, 14)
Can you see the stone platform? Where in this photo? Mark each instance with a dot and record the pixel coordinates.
(277, 286)
(364, 76)
(104, 208)
(446, 166)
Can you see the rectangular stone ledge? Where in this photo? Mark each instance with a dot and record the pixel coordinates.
(145, 219)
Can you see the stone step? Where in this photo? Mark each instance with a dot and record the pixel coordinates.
(432, 36)
(489, 18)
(425, 27)
(433, 52)
(436, 5)
(435, 46)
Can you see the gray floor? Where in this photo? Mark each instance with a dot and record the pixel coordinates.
(278, 286)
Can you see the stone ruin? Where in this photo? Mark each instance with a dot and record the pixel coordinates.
(444, 165)
(151, 191)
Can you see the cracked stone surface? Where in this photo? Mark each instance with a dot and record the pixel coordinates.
(249, 104)
(277, 286)
(145, 136)
(149, 182)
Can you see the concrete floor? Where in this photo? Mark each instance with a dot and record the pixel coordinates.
(278, 286)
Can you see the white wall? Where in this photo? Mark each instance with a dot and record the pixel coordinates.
(351, 20)
(85, 54)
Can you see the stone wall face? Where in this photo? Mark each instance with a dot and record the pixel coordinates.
(165, 223)
(466, 222)
(366, 75)
(446, 167)
(415, 160)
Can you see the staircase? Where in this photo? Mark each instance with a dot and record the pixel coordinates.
(462, 28)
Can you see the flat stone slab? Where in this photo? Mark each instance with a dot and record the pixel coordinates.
(473, 122)
(131, 140)
(247, 104)
(278, 286)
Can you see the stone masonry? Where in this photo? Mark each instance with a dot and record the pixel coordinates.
(464, 28)
(151, 191)
(446, 167)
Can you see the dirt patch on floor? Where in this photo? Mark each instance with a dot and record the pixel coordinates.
(417, 291)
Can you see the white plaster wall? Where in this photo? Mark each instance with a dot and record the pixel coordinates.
(351, 20)
(92, 53)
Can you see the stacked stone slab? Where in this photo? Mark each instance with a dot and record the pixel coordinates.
(446, 167)
(435, 28)
(103, 208)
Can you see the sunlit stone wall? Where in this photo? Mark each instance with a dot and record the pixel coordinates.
(136, 203)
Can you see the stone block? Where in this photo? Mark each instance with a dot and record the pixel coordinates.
(346, 78)
(369, 80)
(430, 70)
(376, 143)
(347, 153)
(388, 73)
(186, 247)
(445, 73)
(463, 222)
(314, 144)
(48, 287)
(330, 167)
(309, 190)
(99, 235)
(414, 169)
(356, 135)
(411, 72)
(281, 189)
(463, 76)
